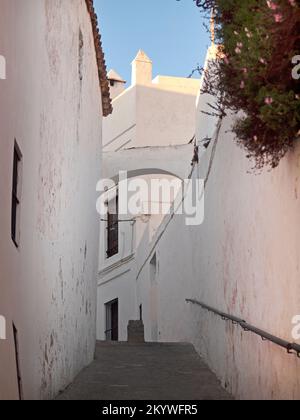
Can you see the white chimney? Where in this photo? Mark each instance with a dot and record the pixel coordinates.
(141, 69)
(116, 84)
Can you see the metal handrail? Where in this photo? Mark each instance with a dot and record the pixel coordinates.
(292, 348)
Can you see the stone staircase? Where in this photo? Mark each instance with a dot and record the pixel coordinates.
(136, 332)
(145, 371)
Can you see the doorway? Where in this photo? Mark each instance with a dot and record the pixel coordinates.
(112, 320)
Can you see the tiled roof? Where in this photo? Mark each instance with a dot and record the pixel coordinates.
(102, 71)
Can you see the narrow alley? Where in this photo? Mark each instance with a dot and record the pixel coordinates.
(126, 371)
(149, 201)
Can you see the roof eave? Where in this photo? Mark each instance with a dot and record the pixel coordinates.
(102, 70)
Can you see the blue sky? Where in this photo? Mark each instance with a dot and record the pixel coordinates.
(170, 32)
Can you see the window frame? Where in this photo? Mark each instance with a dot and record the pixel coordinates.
(112, 240)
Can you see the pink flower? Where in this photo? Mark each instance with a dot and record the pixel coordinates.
(255, 138)
(239, 45)
(242, 85)
(292, 2)
(262, 61)
(272, 5)
(278, 17)
(238, 50)
(268, 100)
(245, 70)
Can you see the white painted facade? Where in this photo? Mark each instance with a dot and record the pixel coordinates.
(148, 136)
(50, 104)
(243, 260)
(159, 112)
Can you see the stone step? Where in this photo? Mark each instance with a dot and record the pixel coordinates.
(136, 332)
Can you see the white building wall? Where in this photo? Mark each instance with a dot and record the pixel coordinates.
(159, 113)
(244, 261)
(48, 285)
(166, 117)
(119, 129)
(118, 283)
(147, 135)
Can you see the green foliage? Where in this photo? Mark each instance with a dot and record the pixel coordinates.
(259, 38)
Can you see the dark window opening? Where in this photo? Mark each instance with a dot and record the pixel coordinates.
(17, 354)
(16, 190)
(113, 228)
(112, 321)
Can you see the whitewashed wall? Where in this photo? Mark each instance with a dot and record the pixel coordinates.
(117, 283)
(159, 114)
(147, 135)
(48, 286)
(244, 260)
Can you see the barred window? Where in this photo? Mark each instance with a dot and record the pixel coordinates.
(112, 228)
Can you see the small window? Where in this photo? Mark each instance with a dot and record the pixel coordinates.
(113, 228)
(16, 196)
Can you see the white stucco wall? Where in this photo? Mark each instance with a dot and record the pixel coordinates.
(158, 113)
(117, 283)
(249, 266)
(119, 129)
(149, 160)
(147, 135)
(165, 117)
(244, 261)
(48, 286)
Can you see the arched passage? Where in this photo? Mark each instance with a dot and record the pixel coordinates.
(171, 161)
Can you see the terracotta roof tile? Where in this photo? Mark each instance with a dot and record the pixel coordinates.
(102, 71)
